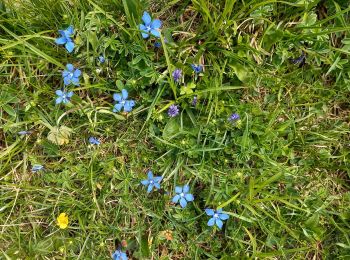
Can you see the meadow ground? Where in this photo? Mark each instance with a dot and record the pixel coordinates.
(259, 127)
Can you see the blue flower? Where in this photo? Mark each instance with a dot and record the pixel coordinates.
(157, 44)
(65, 38)
(101, 59)
(37, 167)
(152, 181)
(177, 74)
(173, 111)
(150, 26)
(93, 140)
(119, 255)
(197, 68)
(71, 76)
(217, 217)
(63, 96)
(234, 117)
(182, 195)
(123, 102)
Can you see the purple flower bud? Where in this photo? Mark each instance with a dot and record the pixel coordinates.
(177, 74)
(173, 111)
(234, 117)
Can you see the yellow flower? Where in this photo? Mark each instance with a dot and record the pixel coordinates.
(62, 221)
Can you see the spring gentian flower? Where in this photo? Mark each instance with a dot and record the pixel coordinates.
(173, 111)
(119, 255)
(65, 38)
(93, 140)
(123, 102)
(177, 74)
(217, 217)
(70, 75)
(63, 96)
(37, 167)
(234, 117)
(182, 195)
(152, 181)
(157, 44)
(101, 59)
(197, 68)
(150, 26)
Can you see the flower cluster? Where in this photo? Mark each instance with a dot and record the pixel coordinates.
(71, 77)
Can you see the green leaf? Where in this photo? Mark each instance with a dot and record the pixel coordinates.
(92, 37)
(171, 128)
(187, 89)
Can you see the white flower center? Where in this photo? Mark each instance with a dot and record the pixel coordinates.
(216, 215)
(151, 181)
(71, 74)
(182, 194)
(148, 28)
(122, 102)
(64, 96)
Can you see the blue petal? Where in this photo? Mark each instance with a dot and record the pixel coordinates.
(66, 80)
(145, 182)
(65, 73)
(146, 18)
(210, 212)
(150, 175)
(176, 199)
(124, 94)
(61, 40)
(70, 67)
(127, 106)
(117, 97)
(219, 223)
(178, 189)
(117, 107)
(70, 94)
(75, 81)
(189, 197)
(157, 179)
(223, 216)
(123, 256)
(63, 34)
(186, 188)
(183, 202)
(143, 28)
(59, 92)
(157, 185)
(150, 187)
(156, 24)
(59, 100)
(65, 100)
(69, 30)
(211, 222)
(219, 211)
(155, 33)
(77, 73)
(145, 35)
(69, 46)
(143, 31)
